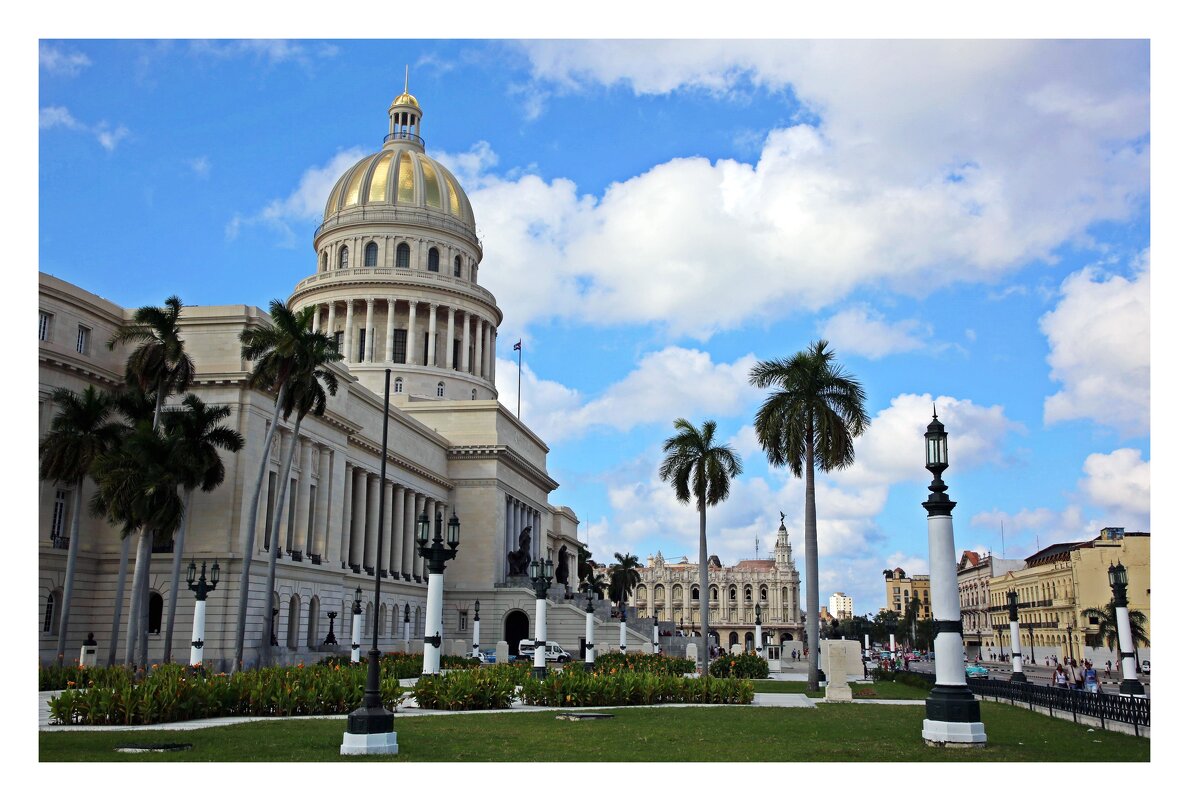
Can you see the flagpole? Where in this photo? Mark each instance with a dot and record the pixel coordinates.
(519, 358)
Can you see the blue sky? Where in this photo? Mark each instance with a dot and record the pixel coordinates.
(966, 222)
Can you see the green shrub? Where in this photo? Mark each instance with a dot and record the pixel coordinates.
(630, 688)
(493, 688)
(68, 676)
(659, 664)
(740, 666)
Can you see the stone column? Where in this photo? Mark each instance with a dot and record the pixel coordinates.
(349, 334)
(466, 341)
(431, 356)
(449, 338)
(373, 521)
(411, 339)
(330, 318)
(358, 518)
(479, 323)
(317, 317)
(369, 336)
(490, 350)
(348, 505)
(321, 502)
(301, 532)
(423, 506)
(386, 543)
(509, 526)
(389, 316)
(410, 506)
(398, 530)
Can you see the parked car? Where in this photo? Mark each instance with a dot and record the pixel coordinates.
(553, 651)
(911, 656)
(976, 672)
(487, 655)
(1145, 667)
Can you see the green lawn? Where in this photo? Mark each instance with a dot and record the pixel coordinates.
(888, 690)
(834, 732)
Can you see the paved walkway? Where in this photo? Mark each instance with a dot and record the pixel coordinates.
(409, 708)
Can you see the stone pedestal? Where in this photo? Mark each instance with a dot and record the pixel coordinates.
(364, 744)
(836, 667)
(460, 648)
(691, 652)
(737, 648)
(501, 652)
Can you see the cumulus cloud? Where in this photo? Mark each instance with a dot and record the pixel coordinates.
(1120, 483)
(58, 61)
(60, 117)
(200, 166)
(1100, 349)
(109, 137)
(305, 204)
(998, 156)
(269, 51)
(665, 384)
(57, 117)
(864, 331)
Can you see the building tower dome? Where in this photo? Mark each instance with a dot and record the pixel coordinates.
(397, 269)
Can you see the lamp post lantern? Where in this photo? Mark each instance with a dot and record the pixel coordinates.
(952, 716)
(475, 639)
(759, 631)
(1017, 658)
(408, 626)
(589, 656)
(541, 574)
(1118, 579)
(201, 588)
(656, 635)
(356, 624)
(369, 727)
(436, 555)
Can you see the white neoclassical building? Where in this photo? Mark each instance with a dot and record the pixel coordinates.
(672, 592)
(395, 279)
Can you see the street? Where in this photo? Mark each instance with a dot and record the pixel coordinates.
(1039, 674)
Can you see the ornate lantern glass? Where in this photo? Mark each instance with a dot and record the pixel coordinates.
(192, 573)
(452, 531)
(423, 529)
(936, 446)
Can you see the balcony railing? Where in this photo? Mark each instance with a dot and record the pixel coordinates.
(412, 137)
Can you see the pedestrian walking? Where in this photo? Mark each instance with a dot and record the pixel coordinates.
(1059, 679)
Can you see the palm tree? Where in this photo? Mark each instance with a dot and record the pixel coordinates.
(79, 434)
(692, 454)
(199, 438)
(159, 365)
(624, 578)
(596, 583)
(585, 564)
(137, 490)
(1108, 627)
(811, 419)
(292, 361)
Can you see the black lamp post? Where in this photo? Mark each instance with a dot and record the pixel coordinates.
(656, 634)
(1118, 579)
(541, 575)
(588, 650)
(475, 641)
(436, 555)
(1069, 634)
(369, 728)
(407, 624)
(1032, 641)
(272, 634)
(1013, 616)
(330, 638)
(952, 715)
(201, 588)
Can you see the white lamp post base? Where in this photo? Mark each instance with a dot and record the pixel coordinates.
(954, 734)
(364, 744)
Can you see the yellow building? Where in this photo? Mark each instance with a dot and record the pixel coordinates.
(1060, 581)
(902, 588)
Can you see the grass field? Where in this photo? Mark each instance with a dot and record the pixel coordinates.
(833, 732)
(886, 690)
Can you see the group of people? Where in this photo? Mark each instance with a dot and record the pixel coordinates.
(1074, 675)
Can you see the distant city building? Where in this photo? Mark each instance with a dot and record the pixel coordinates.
(902, 588)
(975, 572)
(841, 606)
(671, 591)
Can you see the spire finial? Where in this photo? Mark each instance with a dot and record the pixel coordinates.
(406, 79)
(934, 402)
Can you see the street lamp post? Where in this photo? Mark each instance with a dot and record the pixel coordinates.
(475, 640)
(1118, 578)
(356, 624)
(1032, 641)
(623, 630)
(1017, 657)
(1069, 634)
(201, 588)
(369, 727)
(952, 716)
(272, 632)
(589, 656)
(330, 638)
(656, 635)
(408, 626)
(541, 574)
(759, 631)
(436, 555)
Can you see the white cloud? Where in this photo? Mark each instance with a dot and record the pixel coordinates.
(1100, 349)
(200, 166)
(271, 51)
(862, 330)
(57, 117)
(664, 385)
(110, 137)
(60, 117)
(57, 61)
(1121, 483)
(998, 156)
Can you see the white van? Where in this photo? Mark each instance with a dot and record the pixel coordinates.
(553, 651)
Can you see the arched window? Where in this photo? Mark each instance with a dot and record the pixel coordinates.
(53, 610)
(458, 266)
(383, 617)
(693, 593)
(474, 394)
(733, 594)
(399, 385)
(432, 266)
(763, 593)
(343, 257)
(369, 254)
(367, 620)
(402, 255)
(294, 622)
(441, 389)
(747, 594)
(714, 593)
(155, 607)
(325, 260)
(312, 639)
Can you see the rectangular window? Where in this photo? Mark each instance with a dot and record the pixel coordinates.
(310, 521)
(58, 521)
(457, 348)
(268, 507)
(399, 343)
(425, 348)
(83, 344)
(338, 341)
(362, 343)
(44, 320)
(290, 523)
(462, 621)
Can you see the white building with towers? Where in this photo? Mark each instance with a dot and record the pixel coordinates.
(395, 279)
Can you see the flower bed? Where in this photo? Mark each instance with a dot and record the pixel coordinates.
(576, 688)
(740, 666)
(657, 664)
(491, 688)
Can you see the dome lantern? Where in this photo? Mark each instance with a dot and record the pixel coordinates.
(404, 118)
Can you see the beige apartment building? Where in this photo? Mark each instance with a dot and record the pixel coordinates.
(901, 588)
(395, 279)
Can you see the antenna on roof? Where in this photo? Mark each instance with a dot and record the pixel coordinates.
(406, 79)
(1002, 547)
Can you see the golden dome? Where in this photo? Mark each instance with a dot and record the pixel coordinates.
(405, 99)
(403, 177)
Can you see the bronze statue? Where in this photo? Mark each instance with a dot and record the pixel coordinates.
(563, 567)
(518, 560)
(782, 518)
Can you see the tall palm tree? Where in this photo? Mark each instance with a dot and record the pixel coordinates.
(159, 364)
(292, 361)
(624, 578)
(698, 467)
(137, 490)
(1108, 627)
(80, 432)
(585, 564)
(810, 420)
(596, 583)
(199, 439)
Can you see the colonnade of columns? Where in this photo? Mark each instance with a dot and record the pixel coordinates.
(518, 516)
(476, 336)
(305, 517)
